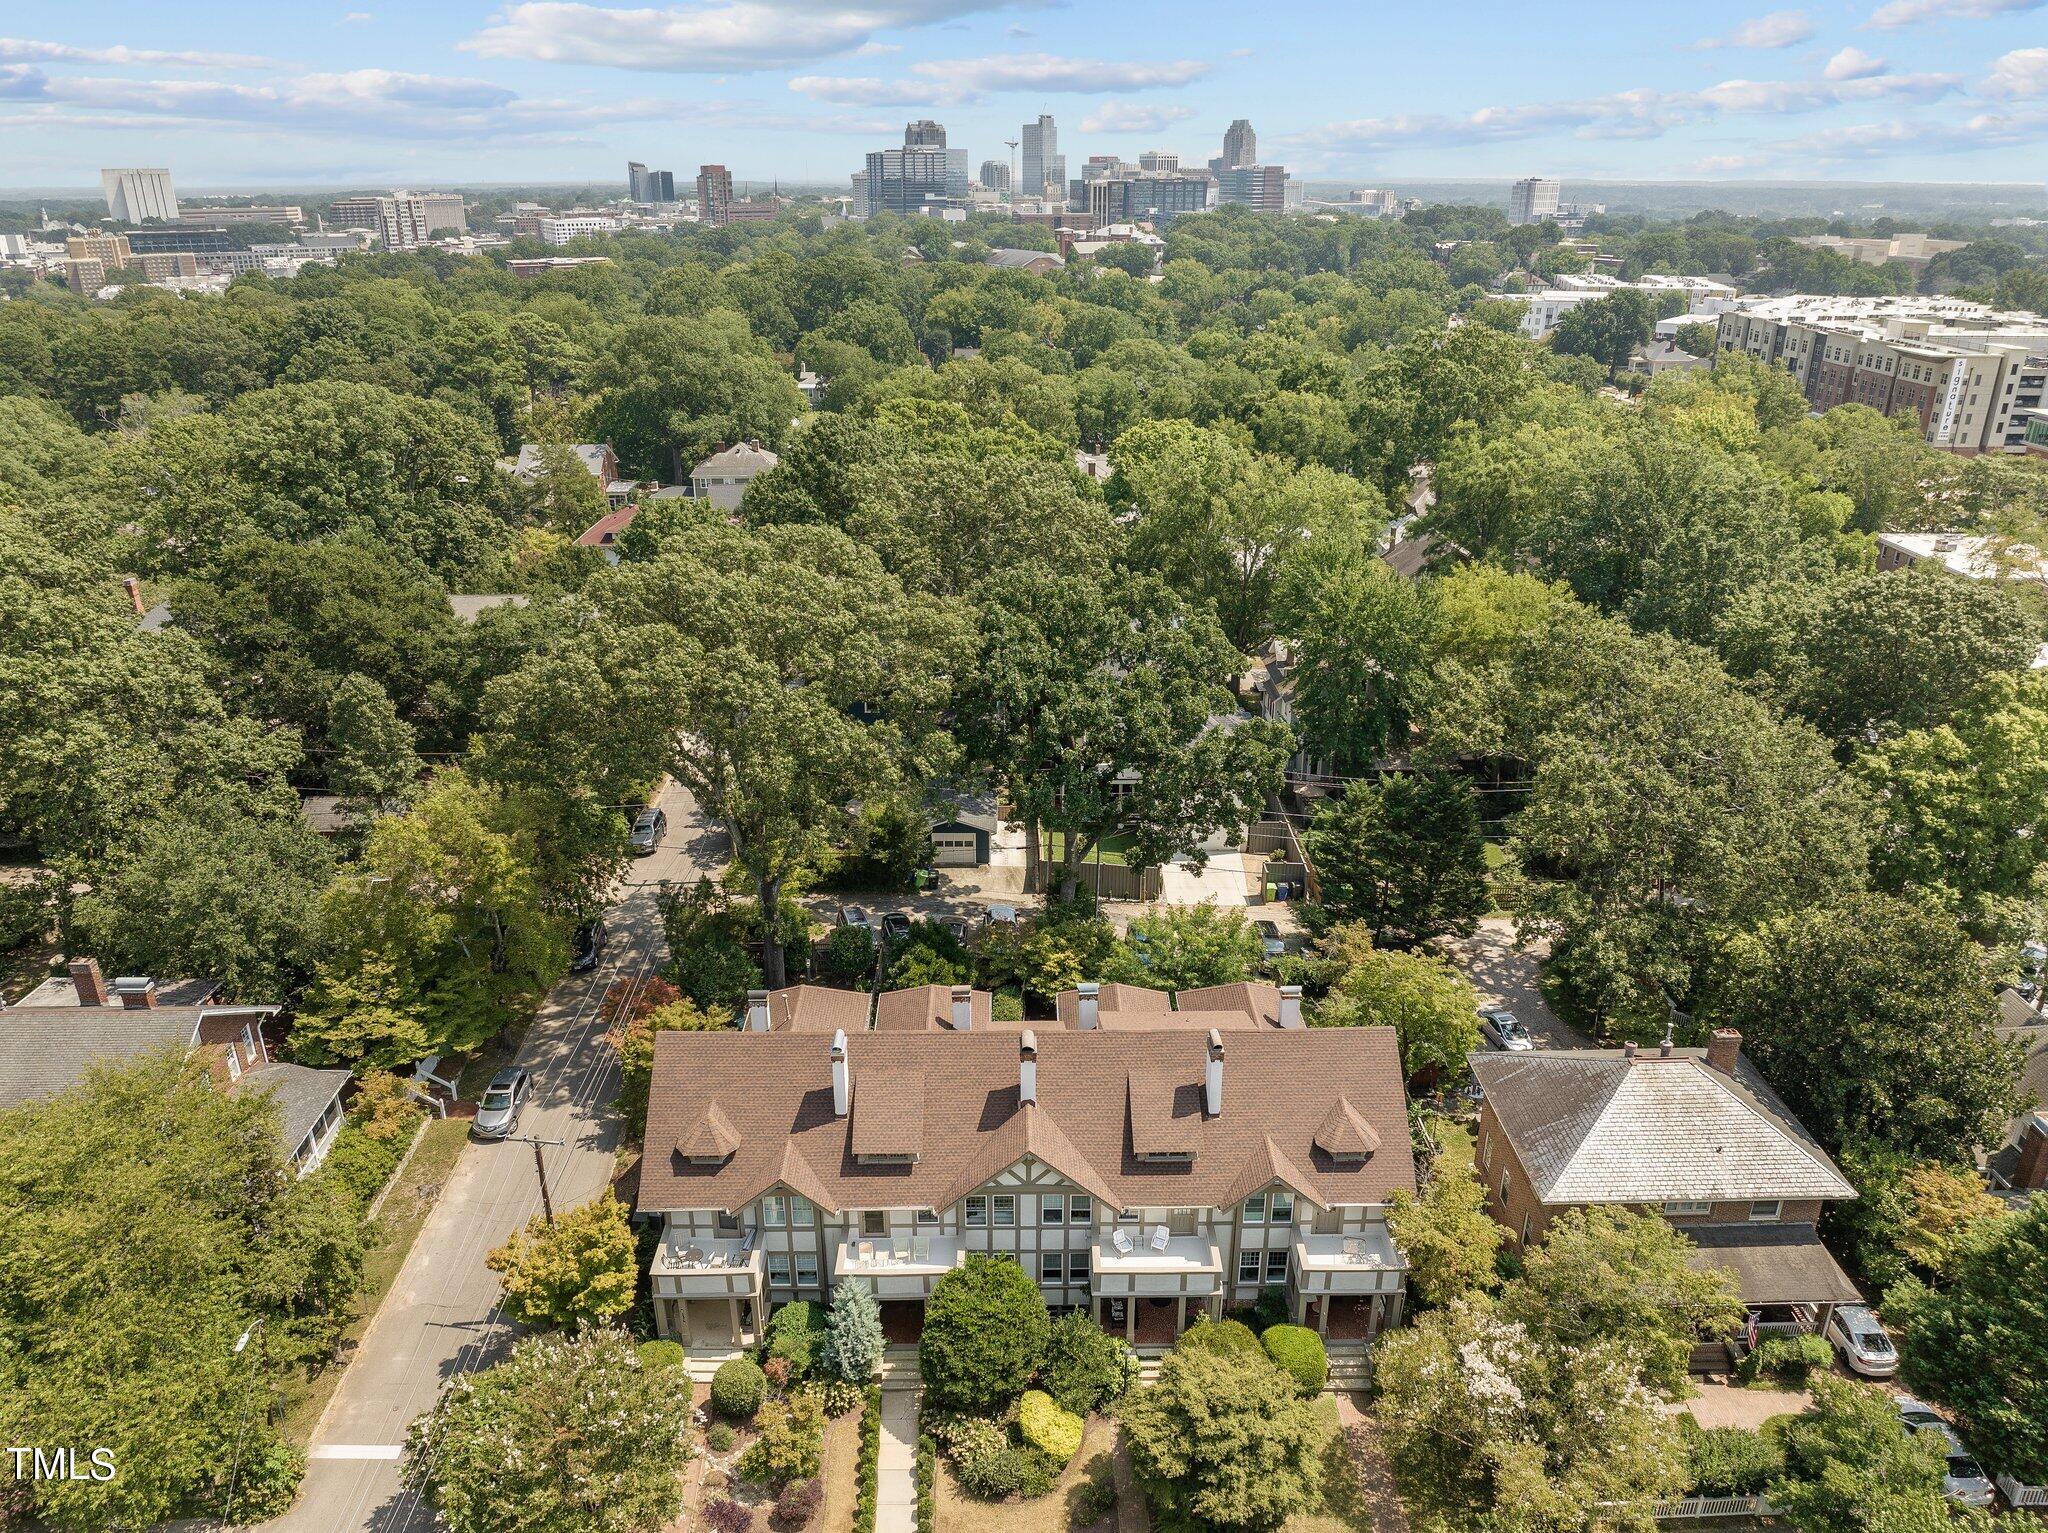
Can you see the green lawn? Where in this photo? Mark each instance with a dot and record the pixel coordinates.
(1111, 850)
(1454, 1142)
(392, 1233)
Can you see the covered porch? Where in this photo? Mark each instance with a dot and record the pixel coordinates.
(904, 1267)
(1348, 1287)
(1786, 1279)
(1152, 1289)
(708, 1294)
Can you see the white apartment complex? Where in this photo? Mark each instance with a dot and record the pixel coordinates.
(1544, 308)
(559, 231)
(1968, 373)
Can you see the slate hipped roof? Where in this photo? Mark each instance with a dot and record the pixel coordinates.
(1595, 1126)
(301, 1093)
(1101, 1098)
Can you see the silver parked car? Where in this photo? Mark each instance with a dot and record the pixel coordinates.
(648, 827)
(1505, 1030)
(504, 1100)
(1963, 1480)
(1864, 1346)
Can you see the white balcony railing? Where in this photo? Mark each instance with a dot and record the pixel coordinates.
(691, 1267)
(903, 1267)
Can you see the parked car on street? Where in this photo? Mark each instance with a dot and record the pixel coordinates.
(648, 828)
(588, 946)
(1505, 1030)
(1963, 1480)
(1271, 943)
(958, 929)
(856, 915)
(504, 1100)
(1864, 1346)
(895, 926)
(1000, 915)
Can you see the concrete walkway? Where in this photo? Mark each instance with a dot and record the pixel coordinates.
(896, 1469)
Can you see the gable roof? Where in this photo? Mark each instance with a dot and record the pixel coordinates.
(929, 1009)
(742, 458)
(1595, 1126)
(1096, 1091)
(817, 1009)
(1129, 1008)
(301, 1093)
(602, 532)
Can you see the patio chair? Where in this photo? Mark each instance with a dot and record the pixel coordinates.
(1159, 1237)
(921, 1249)
(899, 1248)
(1122, 1241)
(865, 1251)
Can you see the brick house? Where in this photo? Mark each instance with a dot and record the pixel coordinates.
(65, 1025)
(1694, 1135)
(1148, 1175)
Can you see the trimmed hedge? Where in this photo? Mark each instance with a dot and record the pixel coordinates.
(1729, 1461)
(360, 1162)
(1787, 1358)
(927, 1472)
(660, 1356)
(1300, 1353)
(738, 1388)
(1054, 1432)
(867, 1470)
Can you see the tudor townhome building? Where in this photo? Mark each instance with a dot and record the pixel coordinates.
(1147, 1159)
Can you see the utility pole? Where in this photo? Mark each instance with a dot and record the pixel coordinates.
(547, 1205)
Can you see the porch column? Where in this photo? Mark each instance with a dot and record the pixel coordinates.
(732, 1309)
(1300, 1314)
(1180, 1314)
(1323, 1301)
(1095, 1307)
(661, 1317)
(1131, 1319)
(1394, 1318)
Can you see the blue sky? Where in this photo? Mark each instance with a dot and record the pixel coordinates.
(433, 91)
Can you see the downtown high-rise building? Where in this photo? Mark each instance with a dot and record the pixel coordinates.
(1159, 162)
(644, 185)
(714, 195)
(1262, 188)
(135, 195)
(1042, 164)
(399, 221)
(923, 175)
(924, 134)
(995, 175)
(1533, 200)
(1240, 146)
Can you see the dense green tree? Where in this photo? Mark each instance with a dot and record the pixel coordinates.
(372, 762)
(1873, 1019)
(665, 392)
(216, 888)
(1448, 1237)
(1607, 329)
(563, 493)
(1404, 855)
(1224, 1439)
(1425, 1000)
(1851, 1465)
(984, 1337)
(1188, 947)
(758, 647)
(1980, 1345)
(152, 1221)
(853, 1333)
(1360, 640)
(1085, 1367)
(571, 1271)
(1103, 711)
(567, 1434)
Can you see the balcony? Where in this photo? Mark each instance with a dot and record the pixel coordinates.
(692, 1267)
(1367, 1262)
(903, 1268)
(1181, 1264)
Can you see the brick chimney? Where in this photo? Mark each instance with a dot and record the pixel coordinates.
(137, 992)
(2032, 1170)
(87, 980)
(1724, 1049)
(134, 589)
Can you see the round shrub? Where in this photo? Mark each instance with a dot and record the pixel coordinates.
(1084, 1368)
(990, 1475)
(837, 1395)
(728, 1516)
(848, 955)
(738, 1388)
(1037, 1472)
(719, 1437)
(1231, 1338)
(962, 1436)
(660, 1356)
(795, 1332)
(1043, 1425)
(798, 1503)
(1299, 1351)
(985, 1328)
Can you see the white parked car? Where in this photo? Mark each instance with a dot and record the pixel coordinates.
(1505, 1030)
(1963, 1480)
(1862, 1342)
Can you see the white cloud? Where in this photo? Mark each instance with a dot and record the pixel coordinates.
(14, 50)
(356, 18)
(1048, 72)
(1124, 117)
(1904, 13)
(1780, 29)
(866, 90)
(1854, 64)
(2021, 73)
(872, 49)
(720, 37)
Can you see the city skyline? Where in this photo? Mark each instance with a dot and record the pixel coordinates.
(1934, 90)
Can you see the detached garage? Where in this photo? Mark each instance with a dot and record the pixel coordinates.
(961, 839)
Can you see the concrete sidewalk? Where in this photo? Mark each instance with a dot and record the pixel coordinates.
(896, 1471)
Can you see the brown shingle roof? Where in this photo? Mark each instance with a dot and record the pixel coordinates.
(929, 1009)
(1136, 1008)
(817, 1009)
(888, 1112)
(776, 1091)
(1114, 997)
(1345, 1132)
(714, 1137)
(1166, 1113)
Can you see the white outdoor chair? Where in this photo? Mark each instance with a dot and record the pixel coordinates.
(1122, 1241)
(921, 1249)
(865, 1251)
(899, 1248)
(1159, 1238)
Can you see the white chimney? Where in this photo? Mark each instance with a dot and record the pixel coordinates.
(757, 1011)
(1290, 1005)
(1027, 1067)
(963, 1008)
(1212, 1081)
(842, 1088)
(1089, 1015)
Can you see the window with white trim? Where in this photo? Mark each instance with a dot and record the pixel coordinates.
(1080, 1208)
(1052, 1208)
(1283, 1208)
(1766, 1211)
(1051, 1267)
(874, 1221)
(1248, 1266)
(778, 1267)
(774, 1210)
(1255, 1208)
(977, 1212)
(803, 1214)
(1681, 1208)
(1004, 1210)
(807, 1269)
(1276, 1265)
(1503, 1189)
(927, 1216)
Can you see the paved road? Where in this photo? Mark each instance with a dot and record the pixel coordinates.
(1505, 976)
(441, 1317)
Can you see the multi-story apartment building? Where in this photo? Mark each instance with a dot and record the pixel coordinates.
(1961, 369)
(1692, 1134)
(559, 231)
(714, 195)
(1533, 199)
(1147, 1158)
(398, 221)
(1262, 188)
